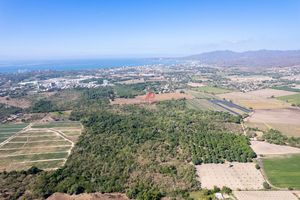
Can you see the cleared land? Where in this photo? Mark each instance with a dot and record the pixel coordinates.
(283, 171)
(46, 146)
(265, 195)
(259, 99)
(158, 97)
(265, 148)
(21, 103)
(284, 120)
(239, 176)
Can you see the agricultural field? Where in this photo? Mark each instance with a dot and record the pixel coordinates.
(211, 90)
(283, 171)
(158, 97)
(8, 130)
(203, 104)
(230, 107)
(265, 195)
(238, 176)
(259, 99)
(265, 148)
(45, 146)
(200, 95)
(284, 120)
(293, 99)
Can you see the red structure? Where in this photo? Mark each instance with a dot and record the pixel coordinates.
(150, 97)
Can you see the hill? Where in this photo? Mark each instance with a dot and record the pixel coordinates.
(261, 58)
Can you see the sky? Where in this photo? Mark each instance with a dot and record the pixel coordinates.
(58, 29)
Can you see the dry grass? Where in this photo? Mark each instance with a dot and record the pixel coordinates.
(17, 102)
(239, 176)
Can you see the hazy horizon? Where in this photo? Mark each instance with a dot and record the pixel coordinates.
(54, 30)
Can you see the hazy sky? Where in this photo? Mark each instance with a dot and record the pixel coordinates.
(34, 29)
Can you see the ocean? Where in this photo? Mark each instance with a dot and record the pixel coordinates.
(65, 65)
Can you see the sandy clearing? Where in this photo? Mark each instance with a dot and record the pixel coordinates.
(265, 195)
(265, 148)
(239, 176)
(285, 120)
(158, 97)
(91, 196)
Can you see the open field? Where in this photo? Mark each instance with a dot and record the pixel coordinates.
(265, 148)
(283, 171)
(200, 95)
(43, 145)
(158, 97)
(292, 99)
(211, 90)
(284, 120)
(239, 176)
(265, 195)
(259, 99)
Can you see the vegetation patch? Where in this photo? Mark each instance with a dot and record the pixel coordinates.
(211, 90)
(292, 99)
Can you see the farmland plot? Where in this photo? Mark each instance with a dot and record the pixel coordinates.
(46, 146)
(265, 148)
(238, 176)
(265, 195)
(284, 120)
(8, 130)
(259, 99)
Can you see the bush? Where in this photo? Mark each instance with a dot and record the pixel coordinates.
(257, 166)
(266, 186)
(226, 190)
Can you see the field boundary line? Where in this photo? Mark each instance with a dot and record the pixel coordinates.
(45, 160)
(25, 154)
(5, 149)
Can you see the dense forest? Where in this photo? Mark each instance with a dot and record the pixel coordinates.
(147, 151)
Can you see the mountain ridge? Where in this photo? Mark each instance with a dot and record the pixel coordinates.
(259, 58)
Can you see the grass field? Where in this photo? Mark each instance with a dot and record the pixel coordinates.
(292, 99)
(7, 130)
(211, 90)
(283, 171)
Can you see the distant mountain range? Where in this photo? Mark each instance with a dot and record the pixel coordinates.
(261, 58)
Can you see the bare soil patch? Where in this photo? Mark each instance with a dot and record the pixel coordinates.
(238, 176)
(91, 196)
(265, 195)
(265, 148)
(285, 120)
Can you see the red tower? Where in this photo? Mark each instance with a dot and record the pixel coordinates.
(150, 97)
